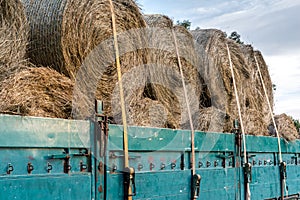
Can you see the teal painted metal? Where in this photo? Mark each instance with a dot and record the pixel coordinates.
(43, 158)
(86, 162)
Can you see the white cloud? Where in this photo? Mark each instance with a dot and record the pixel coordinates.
(271, 26)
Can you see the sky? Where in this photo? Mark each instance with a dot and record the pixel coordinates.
(270, 26)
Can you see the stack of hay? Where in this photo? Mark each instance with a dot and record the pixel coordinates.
(164, 80)
(74, 40)
(24, 89)
(253, 103)
(62, 40)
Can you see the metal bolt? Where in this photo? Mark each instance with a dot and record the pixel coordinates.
(83, 166)
(216, 163)
(152, 166)
(208, 164)
(10, 168)
(173, 165)
(49, 167)
(200, 164)
(140, 167)
(30, 168)
(114, 168)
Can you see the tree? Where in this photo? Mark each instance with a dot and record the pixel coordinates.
(297, 124)
(185, 23)
(236, 37)
(274, 87)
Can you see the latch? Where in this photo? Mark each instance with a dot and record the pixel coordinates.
(196, 186)
(129, 182)
(238, 136)
(283, 174)
(248, 173)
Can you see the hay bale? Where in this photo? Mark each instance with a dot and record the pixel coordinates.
(253, 103)
(147, 112)
(64, 32)
(72, 31)
(158, 21)
(164, 81)
(41, 92)
(13, 37)
(286, 127)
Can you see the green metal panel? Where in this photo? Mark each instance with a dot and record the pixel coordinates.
(161, 158)
(44, 158)
(63, 187)
(19, 131)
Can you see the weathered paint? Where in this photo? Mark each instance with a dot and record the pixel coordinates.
(161, 158)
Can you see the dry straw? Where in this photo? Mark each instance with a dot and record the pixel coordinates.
(13, 37)
(39, 92)
(253, 103)
(64, 33)
(286, 127)
(164, 80)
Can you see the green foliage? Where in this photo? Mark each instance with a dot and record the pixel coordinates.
(236, 37)
(296, 123)
(185, 23)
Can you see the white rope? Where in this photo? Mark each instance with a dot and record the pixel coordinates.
(272, 116)
(270, 108)
(193, 160)
(248, 195)
(119, 73)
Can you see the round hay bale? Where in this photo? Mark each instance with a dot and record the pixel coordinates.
(158, 21)
(64, 32)
(164, 82)
(13, 37)
(253, 103)
(286, 127)
(147, 112)
(41, 92)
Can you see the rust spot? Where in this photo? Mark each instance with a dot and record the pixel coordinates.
(101, 167)
(100, 189)
(150, 159)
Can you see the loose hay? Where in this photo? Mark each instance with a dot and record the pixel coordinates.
(41, 92)
(13, 37)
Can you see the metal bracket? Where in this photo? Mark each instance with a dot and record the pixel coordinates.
(248, 173)
(238, 136)
(196, 186)
(129, 182)
(283, 174)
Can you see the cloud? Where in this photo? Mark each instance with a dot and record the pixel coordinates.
(285, 74)
(272, 26)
